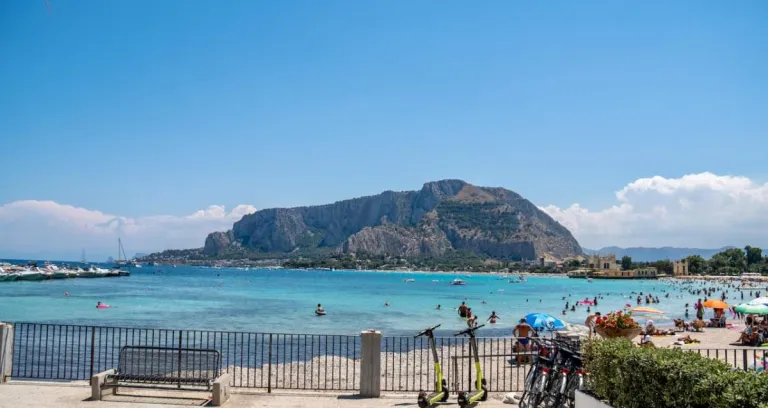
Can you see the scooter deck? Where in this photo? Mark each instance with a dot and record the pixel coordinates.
(472, 398)
(432, 399)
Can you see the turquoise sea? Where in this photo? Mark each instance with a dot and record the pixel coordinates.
(283, 301)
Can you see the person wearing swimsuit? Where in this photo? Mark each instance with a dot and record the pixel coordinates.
(523, 331)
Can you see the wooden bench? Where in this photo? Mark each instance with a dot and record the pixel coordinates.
(165, 368)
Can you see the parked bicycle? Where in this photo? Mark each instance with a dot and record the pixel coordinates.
(554, 377)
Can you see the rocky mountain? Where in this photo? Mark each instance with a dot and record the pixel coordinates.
(642, 254)
(443, 216)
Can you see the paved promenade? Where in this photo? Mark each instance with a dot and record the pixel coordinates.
(69, 395)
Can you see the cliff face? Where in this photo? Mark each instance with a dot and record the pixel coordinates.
(443, 215)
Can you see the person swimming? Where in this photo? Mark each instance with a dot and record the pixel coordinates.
(100, 305)
(438, 307)
(386, 303)
(319, 311)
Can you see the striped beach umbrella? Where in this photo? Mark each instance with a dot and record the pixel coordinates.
(646, 311)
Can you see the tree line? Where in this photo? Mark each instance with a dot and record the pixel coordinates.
(733, 261)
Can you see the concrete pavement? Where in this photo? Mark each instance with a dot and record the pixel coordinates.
(18, 394)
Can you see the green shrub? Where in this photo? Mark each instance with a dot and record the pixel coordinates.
(636, 377)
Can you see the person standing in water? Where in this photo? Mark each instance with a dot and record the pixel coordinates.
(591, 322)
(320, 309)
(492, 319)
(463, 309)
(472, 321)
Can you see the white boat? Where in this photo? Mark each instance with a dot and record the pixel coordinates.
(409, 280)
(29, 275)
(93, 273)
(458, 282)
(60, 274)
(589, 279)
(7, 277)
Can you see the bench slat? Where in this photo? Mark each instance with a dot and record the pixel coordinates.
(148, 364)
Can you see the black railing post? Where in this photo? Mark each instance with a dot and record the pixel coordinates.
(744, 360)
(269, 365)
(179, 371)
(93, 349)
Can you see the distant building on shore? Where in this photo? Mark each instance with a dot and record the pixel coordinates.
(642, 273)
(680, 268)
(607, 267)
(605, 263)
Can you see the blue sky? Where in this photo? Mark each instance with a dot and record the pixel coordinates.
(141, 107)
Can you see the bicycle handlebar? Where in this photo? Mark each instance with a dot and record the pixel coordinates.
(469, 330)
(426, 331)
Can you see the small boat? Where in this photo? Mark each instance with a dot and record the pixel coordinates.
(409, 280)
(28, 275)
(458, 282)
(7, 277)
(60, 274)
(93, 273)
(589, 280)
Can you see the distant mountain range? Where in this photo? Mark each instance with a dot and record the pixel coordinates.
(641, 254)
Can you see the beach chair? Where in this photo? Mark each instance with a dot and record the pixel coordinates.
(720, 323)
(679, 325)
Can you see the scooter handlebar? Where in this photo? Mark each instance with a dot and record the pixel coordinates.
(469, 330)
(427, 331)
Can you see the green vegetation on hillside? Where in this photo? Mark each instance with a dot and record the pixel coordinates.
(487, 217)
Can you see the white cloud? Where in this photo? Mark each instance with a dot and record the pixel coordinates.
(703, 210)
(58, 230)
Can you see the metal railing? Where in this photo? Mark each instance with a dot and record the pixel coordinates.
(253, 360)
(407, 363)
(742, 359)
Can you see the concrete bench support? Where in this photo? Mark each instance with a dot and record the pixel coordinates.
(98, 382)
(370, 364)
(6, 351)
(220, 390)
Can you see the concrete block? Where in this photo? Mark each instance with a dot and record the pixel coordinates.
(220, 390)
(587, 401)
(97, 382)
(6, 351)
(370, 364)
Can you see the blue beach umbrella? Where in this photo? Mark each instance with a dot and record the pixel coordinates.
(544, 321)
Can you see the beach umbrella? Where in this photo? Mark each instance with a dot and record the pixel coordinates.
(759, 301)
(646, 311)
(715, 304)
(746, 308)
(544, 321)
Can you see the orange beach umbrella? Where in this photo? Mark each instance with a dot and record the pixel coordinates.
(715, 304)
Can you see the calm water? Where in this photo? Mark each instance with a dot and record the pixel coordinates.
(262, 300)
